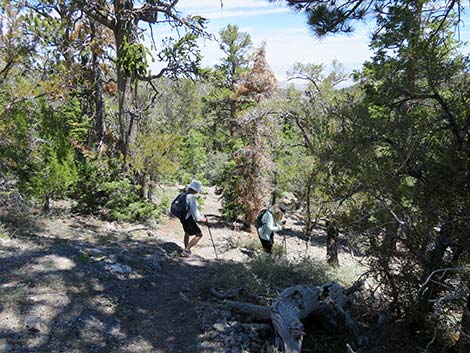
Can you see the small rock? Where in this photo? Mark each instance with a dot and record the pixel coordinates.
(5, 347)
(33, 324)
(155, 262)
(255, 327)
(229, 341)
(236, 325)
(184, 297)
(226, 314)
(205, 344)
(219, 327)
(118, 268)
(95, 252)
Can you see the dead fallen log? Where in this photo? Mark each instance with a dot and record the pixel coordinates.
(257, 313)
(230, 293)
(327, 301)
(299, 302)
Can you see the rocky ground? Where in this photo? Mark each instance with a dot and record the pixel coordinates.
(72, 284)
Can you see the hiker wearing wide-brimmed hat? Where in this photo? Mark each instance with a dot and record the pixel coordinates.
(185, 208)
(268, 222)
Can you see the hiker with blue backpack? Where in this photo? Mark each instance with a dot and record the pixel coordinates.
(185, 208)
(268, 222)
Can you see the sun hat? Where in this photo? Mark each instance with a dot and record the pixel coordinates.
(195, 185)
(282, 207)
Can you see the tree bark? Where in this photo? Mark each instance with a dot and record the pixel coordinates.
(435, 260)
(257, 313)
(463, 344)
(98, 133)
(332, 234)
(298, 303)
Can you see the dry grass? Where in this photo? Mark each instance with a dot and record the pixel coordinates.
(266, 275)
(12, 296)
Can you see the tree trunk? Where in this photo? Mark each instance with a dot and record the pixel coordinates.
(125, 31)
(46, 205)
(274, 193)
(463, 344)
(435, 260)
(257, 313)
(144, 181)
(247, 226)
(300, 302)
(308, 215)
(332, 244)
(99, 130)
(231, 119)
(123, 82)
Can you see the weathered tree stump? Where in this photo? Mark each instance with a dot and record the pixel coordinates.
(297, 303)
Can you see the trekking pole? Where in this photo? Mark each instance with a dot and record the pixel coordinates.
(212, 239)
(284, 244)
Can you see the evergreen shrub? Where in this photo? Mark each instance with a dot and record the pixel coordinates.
(265, 275)
(104, 188)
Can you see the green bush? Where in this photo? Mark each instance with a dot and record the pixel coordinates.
(137, 211)
(226, 183)
(255, 245)
(193, 157)
(88, 194)
(53, 177)
(265, 276)
(105, 188)
(123, 202)
(4, 232)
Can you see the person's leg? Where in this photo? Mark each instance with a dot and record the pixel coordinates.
(186, 240)
(271, 244)
(193, 230)
(194, 241)
(269, 248)
(189, 229)
(267, 245)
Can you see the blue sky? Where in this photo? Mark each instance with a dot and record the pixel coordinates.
(287, 36)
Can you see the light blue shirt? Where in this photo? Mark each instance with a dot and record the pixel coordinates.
(192, 208)
(268, 227)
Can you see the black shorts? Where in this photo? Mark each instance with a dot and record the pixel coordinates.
(267, 244)
(190, 226)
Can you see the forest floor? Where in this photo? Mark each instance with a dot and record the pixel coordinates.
(72, 283)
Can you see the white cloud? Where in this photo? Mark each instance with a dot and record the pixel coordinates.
(240, 13)
(212, 10)
(215, 5)
(283, 52)
(286, 43)
(285, 47)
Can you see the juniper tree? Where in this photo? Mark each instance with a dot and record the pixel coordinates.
(252, 162)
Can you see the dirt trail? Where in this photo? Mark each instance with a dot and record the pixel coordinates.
(78, 284)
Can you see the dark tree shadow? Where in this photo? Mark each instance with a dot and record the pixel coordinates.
(88, 307)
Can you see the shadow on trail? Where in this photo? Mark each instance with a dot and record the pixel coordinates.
(62, 295)
(318, 239)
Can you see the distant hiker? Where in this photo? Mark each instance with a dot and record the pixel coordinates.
(268, 222)
(185, 208)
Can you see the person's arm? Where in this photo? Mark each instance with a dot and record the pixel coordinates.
(270, 223)
(193, 210)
